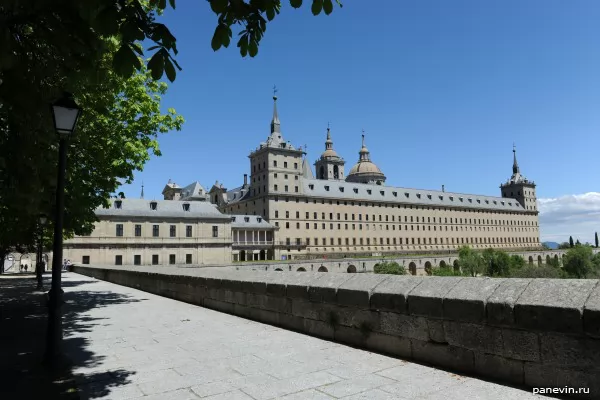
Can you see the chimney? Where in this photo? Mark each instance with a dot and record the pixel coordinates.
(443, 188)
(245, 179)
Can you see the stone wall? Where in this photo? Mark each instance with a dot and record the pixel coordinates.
(530, 332)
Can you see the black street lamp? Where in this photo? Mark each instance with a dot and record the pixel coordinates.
(39, 268)
(65, 113)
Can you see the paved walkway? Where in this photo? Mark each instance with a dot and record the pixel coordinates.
(130, 344)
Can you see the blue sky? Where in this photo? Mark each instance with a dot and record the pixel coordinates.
(441, 88)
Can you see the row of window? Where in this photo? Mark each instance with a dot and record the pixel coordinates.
(156, 230)
(285, 176)
(411, 241)
(393, 219)
(412, 227)
(264, 165)
(137, 259)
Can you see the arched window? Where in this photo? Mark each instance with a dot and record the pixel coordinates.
(322, 172)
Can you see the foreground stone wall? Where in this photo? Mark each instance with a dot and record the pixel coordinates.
(531, 332)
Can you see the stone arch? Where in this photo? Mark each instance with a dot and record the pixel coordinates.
(336, 172)
(243, 255)
(322, 172)
(530, 259)
(548, 259)
(456, 266)
(428, 268)
(556, 257)
(322, 268)
(539, 260)
(412, 268)
(278, 269)
(262, 255)
(301, 269)
(351, 269)
(443, 264)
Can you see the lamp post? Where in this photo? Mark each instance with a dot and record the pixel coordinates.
(65, 113)
(40, 250)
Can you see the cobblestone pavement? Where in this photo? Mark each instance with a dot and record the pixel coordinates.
(130, 344)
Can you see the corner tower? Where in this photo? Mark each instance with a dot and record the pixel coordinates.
(330, 166)
(520, 188)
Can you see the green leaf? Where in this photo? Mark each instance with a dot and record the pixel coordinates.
(327, 6)
(253, 48)
(172, 3)
(296, 3)
(125, 61)
(170, 70)
(317, 6)
(219, 6)
(156, 65)
(131, 32)
(162, 4)
(270, 14)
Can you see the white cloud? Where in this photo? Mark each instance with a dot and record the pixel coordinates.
(576, 215)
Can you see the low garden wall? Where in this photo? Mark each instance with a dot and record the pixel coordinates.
(528, 332)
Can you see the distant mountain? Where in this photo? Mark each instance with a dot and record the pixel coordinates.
(552, 245)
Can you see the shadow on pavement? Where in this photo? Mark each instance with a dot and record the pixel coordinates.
(23, 319)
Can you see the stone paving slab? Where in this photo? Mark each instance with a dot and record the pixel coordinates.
(134, 345)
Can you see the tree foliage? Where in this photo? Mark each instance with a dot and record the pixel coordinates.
(471, 262)
(578, 261)
(596, 239)
(389, 267)
(571, 244)
(76, 29)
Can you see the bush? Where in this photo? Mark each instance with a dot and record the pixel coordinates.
(544, 271)
(445, 271)
(389, 267)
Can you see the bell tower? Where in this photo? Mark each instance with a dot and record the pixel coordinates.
(330, 166)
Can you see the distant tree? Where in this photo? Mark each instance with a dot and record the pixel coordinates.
(471, 262)
(553, 262)
(577, 243)
(571, 241)
(596, 239)
(516, 262)
(389, 267)
(578, 262)
(564, 245)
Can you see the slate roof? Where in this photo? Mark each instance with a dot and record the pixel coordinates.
(192, 192)
(424, 197)
(164, 208)
(253, 221)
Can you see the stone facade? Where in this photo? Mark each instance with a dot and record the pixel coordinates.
(335, 215)
(151, 232)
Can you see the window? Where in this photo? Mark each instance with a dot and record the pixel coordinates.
(355, 190)
(186, 206)
(173, 231)
(341, 188)
(311, 186)
(188, 231)
(275, 164)
(285, 188)
(119, 229)
(276, 188)
(171, 258)
(155, 230)
(118, 260)
(296, 189)
(138, 230)
(118, 204)
(276, 214)
(85, 259)
(326, 188)
(153, 205)
(154, 259)
(215, 231)
(137, 259)
(368, 191)
(295, 165)
(285, 164)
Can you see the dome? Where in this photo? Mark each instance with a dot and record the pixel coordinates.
(330, 153)
(365, 167)
(365, 171)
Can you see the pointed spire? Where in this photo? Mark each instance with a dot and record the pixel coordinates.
(515, 164)
(328, 142)
(275, 125)
(364, 152)
(142, 195)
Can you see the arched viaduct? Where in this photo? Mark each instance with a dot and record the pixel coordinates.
(415, 265)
